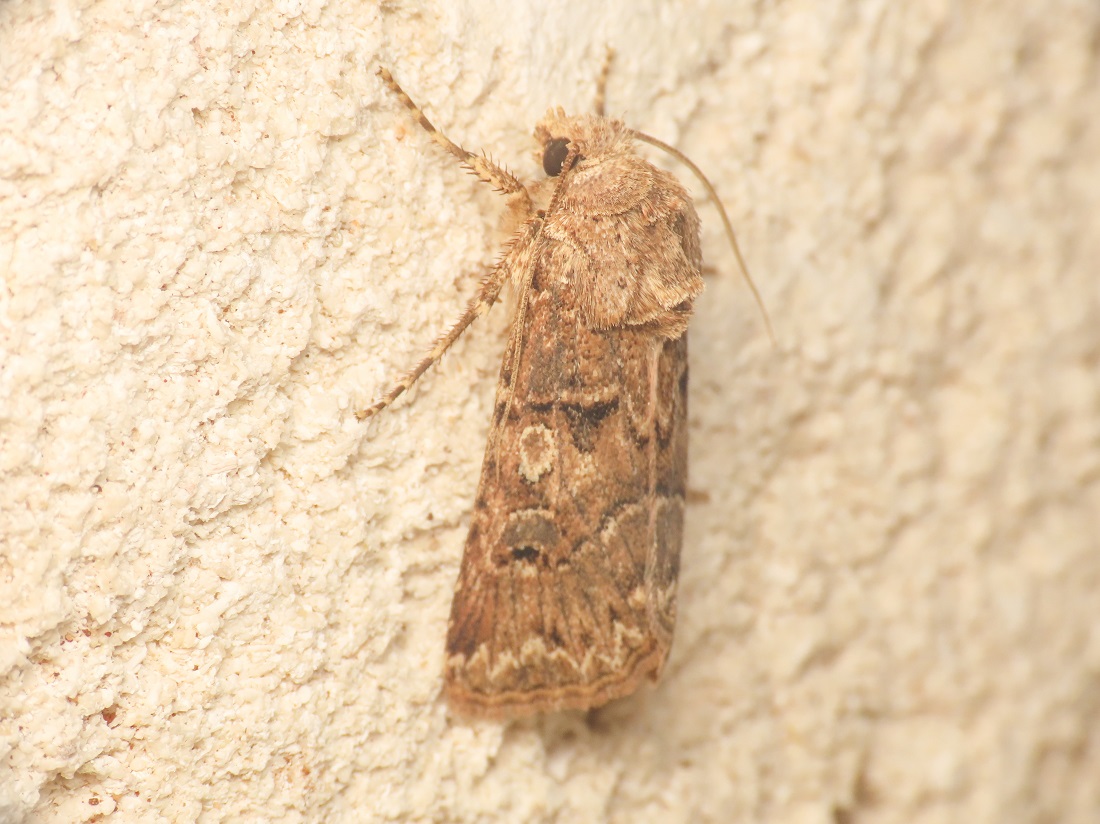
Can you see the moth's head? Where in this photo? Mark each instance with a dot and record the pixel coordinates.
(595, 139)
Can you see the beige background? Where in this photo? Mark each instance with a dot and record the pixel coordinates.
(223, 599)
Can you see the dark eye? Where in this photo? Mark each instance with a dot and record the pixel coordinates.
(554, 155)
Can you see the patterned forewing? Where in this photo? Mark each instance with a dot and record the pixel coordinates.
(566, 593)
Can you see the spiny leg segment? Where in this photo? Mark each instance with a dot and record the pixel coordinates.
(503, 181)
(486, 297)
(518, 257)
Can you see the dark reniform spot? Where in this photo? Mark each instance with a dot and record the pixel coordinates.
(584, 421)
(525, 553)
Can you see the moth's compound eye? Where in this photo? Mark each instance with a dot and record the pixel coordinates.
(554, 155)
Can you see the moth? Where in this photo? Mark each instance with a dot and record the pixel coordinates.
(566, 595)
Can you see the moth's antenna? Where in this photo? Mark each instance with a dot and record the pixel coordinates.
(601, 81)
(683, 158)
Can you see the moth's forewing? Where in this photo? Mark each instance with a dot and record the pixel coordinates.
(566, 593)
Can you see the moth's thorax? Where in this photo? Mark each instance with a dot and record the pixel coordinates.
(621, 240)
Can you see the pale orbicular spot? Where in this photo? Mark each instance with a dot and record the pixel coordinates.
(537, 452)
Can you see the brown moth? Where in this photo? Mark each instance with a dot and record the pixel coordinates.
(566, 596)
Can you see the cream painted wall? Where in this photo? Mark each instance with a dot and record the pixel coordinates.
(222, 598)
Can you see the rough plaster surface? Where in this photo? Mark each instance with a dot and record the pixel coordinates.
(223, 599)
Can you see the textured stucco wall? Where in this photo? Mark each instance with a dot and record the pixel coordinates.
(222, 598)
